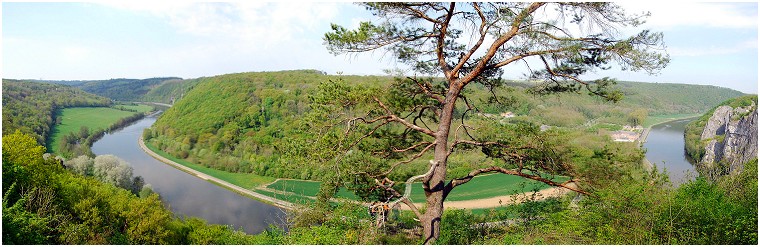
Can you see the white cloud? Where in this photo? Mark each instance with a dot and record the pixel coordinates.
(263, 23)
(667, 14)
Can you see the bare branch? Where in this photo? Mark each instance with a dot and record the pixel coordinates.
(492, 50)
(412, 147)
(416, 156)
(482, 32)
(426, 90)
(394, 118)
(441, 38)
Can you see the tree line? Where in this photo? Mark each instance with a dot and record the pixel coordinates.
(79, 143)
(30, 107)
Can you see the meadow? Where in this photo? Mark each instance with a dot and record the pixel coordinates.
(94, 118)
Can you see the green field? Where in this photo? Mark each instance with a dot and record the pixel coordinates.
(487, 186)
(244, 180)
(72, 119)
(307, 188)
(94, 118)
(481, 187)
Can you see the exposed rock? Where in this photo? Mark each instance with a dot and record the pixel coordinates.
(740, 143)
(732, 138)
(717, 123)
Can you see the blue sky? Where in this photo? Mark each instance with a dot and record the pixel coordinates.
(709, 43)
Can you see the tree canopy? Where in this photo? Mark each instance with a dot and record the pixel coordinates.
(470, 43)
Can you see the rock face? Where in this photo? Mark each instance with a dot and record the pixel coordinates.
(732, 138)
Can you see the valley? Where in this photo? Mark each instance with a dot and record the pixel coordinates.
(379, 123)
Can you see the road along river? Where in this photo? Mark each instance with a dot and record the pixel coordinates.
(183, 193)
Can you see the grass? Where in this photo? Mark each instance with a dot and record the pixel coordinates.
(307, 188)
(658, 119)
(606, 126)
(481, 187)
(298, 199)
(487, 186)
(72, 120)
(244, 180)
(299, 191)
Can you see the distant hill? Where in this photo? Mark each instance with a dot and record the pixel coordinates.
(117, 89)
(671, 98)
(233, 122)
(170, 91)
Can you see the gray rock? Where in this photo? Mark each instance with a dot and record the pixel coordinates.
(717, 123)
(739, 143)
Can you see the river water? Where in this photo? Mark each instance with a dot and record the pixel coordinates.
(665, 148)
(184, 194)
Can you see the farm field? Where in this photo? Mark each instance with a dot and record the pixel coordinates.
(481, 187)
(72, 120)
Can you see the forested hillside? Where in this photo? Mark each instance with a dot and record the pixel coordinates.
(118, 89)
(45, 203)
(261, 108)
(170, 90)
(30, 107)
(671, 98)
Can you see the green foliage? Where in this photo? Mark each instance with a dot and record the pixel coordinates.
(45, 204)
(265, 127)
(118, 89)
(695, 147)
(647, 211)
(457, 228)
(69, 135)
(23, 227)
(30, 107)
(170, 89)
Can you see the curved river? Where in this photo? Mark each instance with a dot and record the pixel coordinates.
(185, 194)
(665, 148)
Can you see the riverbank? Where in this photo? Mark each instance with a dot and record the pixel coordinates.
(659, 120)
(237, 189)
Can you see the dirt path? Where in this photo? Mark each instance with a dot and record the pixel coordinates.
(501, 200)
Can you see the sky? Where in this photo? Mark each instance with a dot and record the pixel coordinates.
(708, 43)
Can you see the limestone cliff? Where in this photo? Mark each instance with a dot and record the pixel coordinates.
(731, 139)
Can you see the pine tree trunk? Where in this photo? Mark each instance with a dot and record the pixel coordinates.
(434, 193)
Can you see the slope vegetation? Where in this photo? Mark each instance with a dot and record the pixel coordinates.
(237, 122)
(30, 107)
(118, 89)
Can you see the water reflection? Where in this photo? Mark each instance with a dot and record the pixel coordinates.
(183, 193)
(665, 148)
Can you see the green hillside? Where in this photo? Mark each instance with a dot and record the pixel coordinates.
(237, 122)
(30, 107)
(671, 98)
(117, 89)
(170, 89)
(695, 148)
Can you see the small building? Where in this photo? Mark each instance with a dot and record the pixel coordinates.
(508, 114)
(624, 136)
